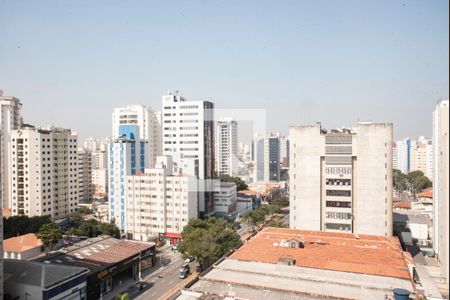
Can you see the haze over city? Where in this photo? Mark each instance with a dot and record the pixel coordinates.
(303, 61)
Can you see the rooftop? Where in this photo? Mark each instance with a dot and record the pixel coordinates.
(21, 243)
(39, 274)
(96, 253)
(402, 204)
(363, 254)
(428, 193)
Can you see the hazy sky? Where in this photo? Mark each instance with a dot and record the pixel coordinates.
(72, 62)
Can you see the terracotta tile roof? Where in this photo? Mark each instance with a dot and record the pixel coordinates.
(365, 254)
(402, 204)
(6, 212)
(21, 243)
(249, 192)
(428, 193)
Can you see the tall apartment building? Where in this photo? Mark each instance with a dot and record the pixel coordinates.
(100, 171)
(85, 186)
(44, 172)
(422, 157)
(413, 155)
(341, 180)
(96, 144)
(10, 119)
(148, 122)
(160, 202)
(394, 156)
(284, 152)
(441, 186)
(99, 157)
(226, 147)
(188, 136)
(267, 158)
(127, 156)
(403, 151)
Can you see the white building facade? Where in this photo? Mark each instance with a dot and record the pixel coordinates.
(422, 157)
(188, 137)
(160, 202)
(44, 172)
(441, 186)
(10, 119)
(148, 123)
(341, 180)
(226, 147)
(225, 200)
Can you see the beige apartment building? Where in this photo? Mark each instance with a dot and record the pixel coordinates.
(44, 172)
(159, 203)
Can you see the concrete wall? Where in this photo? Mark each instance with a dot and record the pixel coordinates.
(307, 147)
(373, 179)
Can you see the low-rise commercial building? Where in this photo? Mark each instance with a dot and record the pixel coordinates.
(295, 264)
(247, 200)
(22, 247)
(225, 200)
(108, 260)
(36, 281)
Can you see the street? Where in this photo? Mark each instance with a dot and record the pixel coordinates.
(160, 281)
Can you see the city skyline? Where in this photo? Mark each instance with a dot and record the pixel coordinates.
(314, 58)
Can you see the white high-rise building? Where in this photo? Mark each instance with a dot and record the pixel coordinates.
(99, 158)
(160, 202)
(284, 152)
(44, 172)
(85, 187)
(96, 144)
(188, 136)
(403, 154)
(441, 186)
(100, 171)
(422, 157)
(226, 147)
(267, 158)
(127, 156)
(341, 180)
(394, 156)
(148, 122)
(10, 119)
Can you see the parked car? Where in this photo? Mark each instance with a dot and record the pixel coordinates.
(184, 273)
(189, 259)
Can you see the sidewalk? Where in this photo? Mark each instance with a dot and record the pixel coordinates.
(131, 286)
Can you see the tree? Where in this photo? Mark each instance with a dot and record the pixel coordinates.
(277, 224)
(82, 210)
(422, 183)
(19, 225)
(400, 181)
(90, 228)
(281, 201)
(208, 240)
(110, 229)
(240, 184)
(49, 234)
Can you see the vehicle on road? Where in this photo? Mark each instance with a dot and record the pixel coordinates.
(189, 259)
(184, 273)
